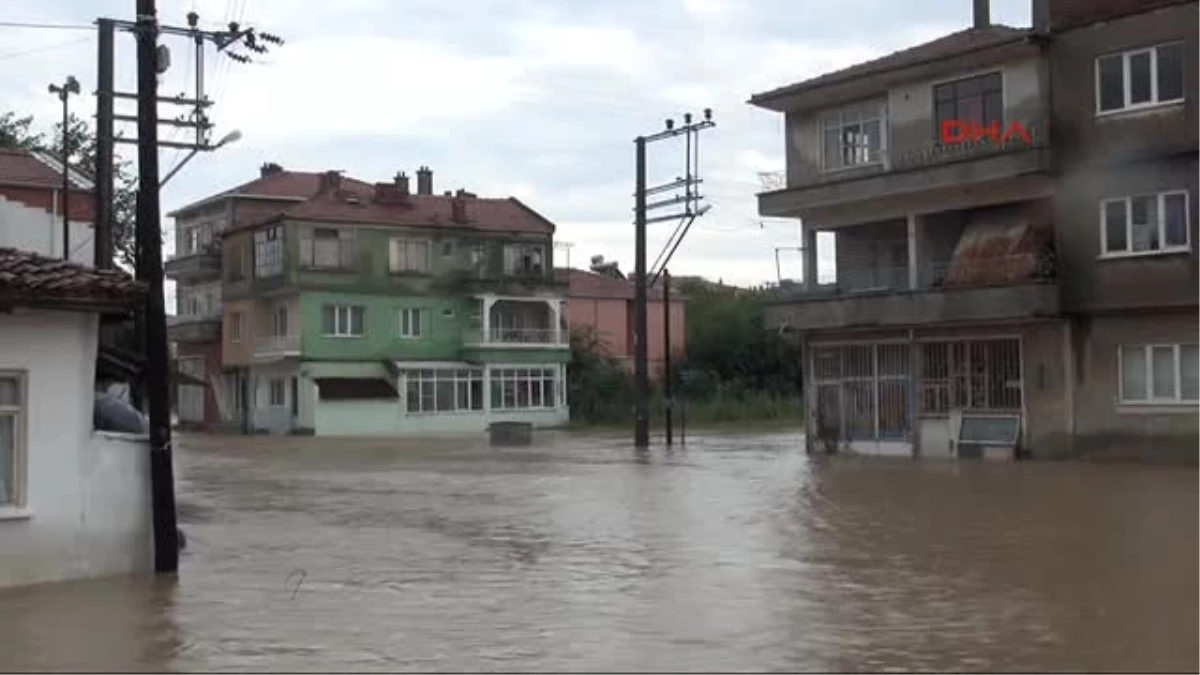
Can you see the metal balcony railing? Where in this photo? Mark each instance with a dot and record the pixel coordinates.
(519, 336)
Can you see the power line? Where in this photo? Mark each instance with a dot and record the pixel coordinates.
(44, 48)
(52, 26)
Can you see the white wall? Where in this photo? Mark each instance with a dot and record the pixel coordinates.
(87, 511)
(32, 229)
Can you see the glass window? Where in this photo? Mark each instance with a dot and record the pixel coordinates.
(444, 390)
(1134, 384)
(1140, 82)
(410, 322)
(1140, 78)
(1175, 219)
(974, 101)
(408, 255)
(343, 320)
(524, 388)
(854, 137)
(11, 415)
(268, 252)
(1145, 223)
(1163, 372)
(1189, 372)
(1112, 82)
(1170, 72)
(1166, 373)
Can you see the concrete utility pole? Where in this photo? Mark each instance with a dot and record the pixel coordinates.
(70, 86)
(642, 280)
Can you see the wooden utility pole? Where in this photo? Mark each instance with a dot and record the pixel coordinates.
(641, 428)
(102, 232)
(150, 271)
(668, 387)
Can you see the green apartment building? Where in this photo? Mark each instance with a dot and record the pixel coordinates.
(374, 310)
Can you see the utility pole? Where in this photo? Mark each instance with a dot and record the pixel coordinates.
(668, 386)
(70, 86)
(642, 280)
(103, 229)
(150, 271)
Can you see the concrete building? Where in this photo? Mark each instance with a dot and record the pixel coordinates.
(601, 299)
(73, 502)
(31, 206)
(374, 310)
(970, 281)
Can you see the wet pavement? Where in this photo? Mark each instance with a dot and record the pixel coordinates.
(739, 553)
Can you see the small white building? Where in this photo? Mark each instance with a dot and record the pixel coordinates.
(31, 206)
(73, 502)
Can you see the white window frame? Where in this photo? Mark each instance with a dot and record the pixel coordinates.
(19, 413)
(824, 124)
(269, 252)
(1126, 92)
(271, 391)
(343, 321)
(400, 251)
(517, 254)
(235, 327)
(1150, 400)
(1161, 213)
(279, 321)
(534, 378)
(461, 379)
(404, 323)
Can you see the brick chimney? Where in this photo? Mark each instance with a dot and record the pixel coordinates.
(424, 181)
(269, 169)
(330, 181)
(983, 13)
(458, 208)
(401, 181)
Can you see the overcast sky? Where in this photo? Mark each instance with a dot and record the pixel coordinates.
(539, 99)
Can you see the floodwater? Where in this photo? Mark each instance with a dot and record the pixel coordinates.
(738, 553)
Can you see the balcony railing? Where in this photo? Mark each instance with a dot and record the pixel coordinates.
(967, 272)
(519, 336)
(276, 346)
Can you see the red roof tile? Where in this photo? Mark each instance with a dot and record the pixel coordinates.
(945, 47)
(285, 184)
(1065, 14)
(26, 168)
(29, 279)
(584, 284)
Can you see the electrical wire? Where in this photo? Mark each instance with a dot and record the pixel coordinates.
(44, 48)
(52, 26)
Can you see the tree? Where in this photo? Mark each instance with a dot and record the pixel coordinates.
(17, 133)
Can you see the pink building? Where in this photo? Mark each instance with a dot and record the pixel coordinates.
(603, 300)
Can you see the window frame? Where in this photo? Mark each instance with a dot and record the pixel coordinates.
(270, 252)
(1126, 90)
(933, 90)
(500, 378)
(1160, 204)
(823, 125)
(460, 378)
(235, 327)
(282, 382)
(407, 243)
(518, 252)
(403, 316)
(1148, 353)
(344, 320)
(18, 500)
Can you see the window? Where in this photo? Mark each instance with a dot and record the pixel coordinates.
(327, 248)
(978, 100)
(853, 137)
(522, 259)
(523, 388)
(444, 390)
(277, 392)
(268, 252)
(235, 261)
(447, 248)
(343, 320)
(1155, 223)
(409, 255)
(1160, 373)
(12, 441)
(235, 327)
(1140, 78)
(410, 323)
(279, 321)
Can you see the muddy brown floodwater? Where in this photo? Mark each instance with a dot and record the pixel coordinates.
(739, 553)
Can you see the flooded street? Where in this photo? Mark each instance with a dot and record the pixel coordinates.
(736, 554)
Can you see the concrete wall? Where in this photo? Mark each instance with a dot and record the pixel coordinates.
(241, 351)
(87, 510)
(611, 318)
(32, 228)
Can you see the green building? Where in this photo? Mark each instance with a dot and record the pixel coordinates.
(374, 310)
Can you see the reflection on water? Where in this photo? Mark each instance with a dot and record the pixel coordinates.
(738, 553)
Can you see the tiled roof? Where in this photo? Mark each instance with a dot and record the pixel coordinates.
(283, 184)
(584, 284)
(29, 279)
(948, 46)
(27, 168)
(487, 214)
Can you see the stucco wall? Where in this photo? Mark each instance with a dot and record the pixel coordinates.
(611, 319)
(34, 229)
(87, 509)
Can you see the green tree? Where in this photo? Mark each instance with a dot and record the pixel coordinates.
(18, 132)
(598, 388)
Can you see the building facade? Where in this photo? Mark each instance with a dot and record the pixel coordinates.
(31, 204)
(373, 310)
(969, 282)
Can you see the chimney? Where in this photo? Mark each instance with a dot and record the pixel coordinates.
(424, 181)
(1040, 11)
(269, 169)
(401, 181)
(983, 17)
(458, 209)
(330, 181)
(463, 194)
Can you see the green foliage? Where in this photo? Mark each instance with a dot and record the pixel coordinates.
(17, 132)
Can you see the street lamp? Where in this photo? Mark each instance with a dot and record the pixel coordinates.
(71, 86)
(231, 137)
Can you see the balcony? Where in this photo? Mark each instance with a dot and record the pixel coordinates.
(194, 328)
(516, 337)
(202, 264)
(275, 347)
(1008, 288)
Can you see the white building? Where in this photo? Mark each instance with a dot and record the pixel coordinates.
(31, 206)
(73, 502)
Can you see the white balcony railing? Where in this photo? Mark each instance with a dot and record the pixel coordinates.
(497, 335)
(276, 346)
